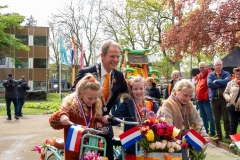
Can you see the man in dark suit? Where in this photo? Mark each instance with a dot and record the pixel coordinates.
(110, 55)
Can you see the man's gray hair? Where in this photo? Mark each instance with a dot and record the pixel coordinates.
(175, 71)
(217, 60)
(202, 63)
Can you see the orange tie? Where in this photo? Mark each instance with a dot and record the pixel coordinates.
(106, 86)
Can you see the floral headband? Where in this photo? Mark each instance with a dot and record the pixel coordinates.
(92, 79)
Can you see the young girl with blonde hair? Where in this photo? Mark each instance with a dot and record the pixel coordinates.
(81, 107)
(131, 108)
(180, 112)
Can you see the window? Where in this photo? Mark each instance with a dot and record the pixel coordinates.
(2, 61)
(21, 62)
(39, 85)
(40, 41)
(23, 38)
(40, 63)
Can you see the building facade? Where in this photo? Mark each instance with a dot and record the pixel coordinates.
(32, 64)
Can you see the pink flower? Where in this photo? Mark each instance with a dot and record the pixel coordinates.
(37, 148)
(46, 141)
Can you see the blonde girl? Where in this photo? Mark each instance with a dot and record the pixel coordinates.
(80, 107)
(131, 108)
(180, 112)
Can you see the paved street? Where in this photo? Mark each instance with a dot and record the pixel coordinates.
(18, 137)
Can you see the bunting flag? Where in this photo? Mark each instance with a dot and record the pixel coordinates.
(81, 60)
(130, 137)
(74, 61)
(72, 57)
(63, 54)
(74, 136)
(236, 139)
(195, 139)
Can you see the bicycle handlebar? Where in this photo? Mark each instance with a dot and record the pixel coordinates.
(111, 118)
(92, 130)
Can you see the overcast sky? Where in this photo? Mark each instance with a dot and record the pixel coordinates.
(39, 9)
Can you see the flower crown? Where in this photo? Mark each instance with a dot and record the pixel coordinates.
(92, 79)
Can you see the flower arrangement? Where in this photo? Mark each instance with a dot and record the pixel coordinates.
(158, 135)
(193, 153)
(41, 148)
(90, 156)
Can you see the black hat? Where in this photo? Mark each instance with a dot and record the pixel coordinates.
(10, 75)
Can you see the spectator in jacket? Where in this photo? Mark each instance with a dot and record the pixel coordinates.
(217, 82)
(175, 77)
(21, 92)
(231, 95)
(203, 101)
(152, 90)
(10, 85)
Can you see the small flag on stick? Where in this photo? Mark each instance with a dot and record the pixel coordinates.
(130, 137)
(74, 138)
(195, 139)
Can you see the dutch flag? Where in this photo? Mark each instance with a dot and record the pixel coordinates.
(236, 139)
(130, 137)
(74, 138)
(195, 139)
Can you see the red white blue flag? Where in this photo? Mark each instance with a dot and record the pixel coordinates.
(236, 139)
(130, 137)
(74, 138)
(195, 139)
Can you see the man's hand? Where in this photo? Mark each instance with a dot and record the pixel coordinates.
(105, 119)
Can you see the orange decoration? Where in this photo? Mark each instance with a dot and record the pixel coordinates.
(92, 79)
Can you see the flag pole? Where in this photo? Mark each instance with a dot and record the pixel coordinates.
(59, 74)
(74, 62)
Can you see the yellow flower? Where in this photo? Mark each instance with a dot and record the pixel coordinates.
(175, 132)
(150, 135)
(163, 119)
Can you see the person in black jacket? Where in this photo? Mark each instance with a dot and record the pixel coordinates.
(110, 56)
(152, 90)
(21, 92)
(10, 85)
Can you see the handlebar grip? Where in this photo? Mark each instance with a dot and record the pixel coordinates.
(110, 118)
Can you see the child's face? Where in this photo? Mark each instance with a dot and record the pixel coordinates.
(185, 95)
(138, 90)
(89, 96)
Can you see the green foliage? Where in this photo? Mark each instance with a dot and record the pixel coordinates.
(6, 39)
(196, 155)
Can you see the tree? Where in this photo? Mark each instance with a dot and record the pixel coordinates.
(81, 21)
(7, 42)
(31, 21)
(205, 29)
(135, 24)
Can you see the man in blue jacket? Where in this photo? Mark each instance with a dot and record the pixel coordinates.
(21, 92)
(217, 82)
(10, 85)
